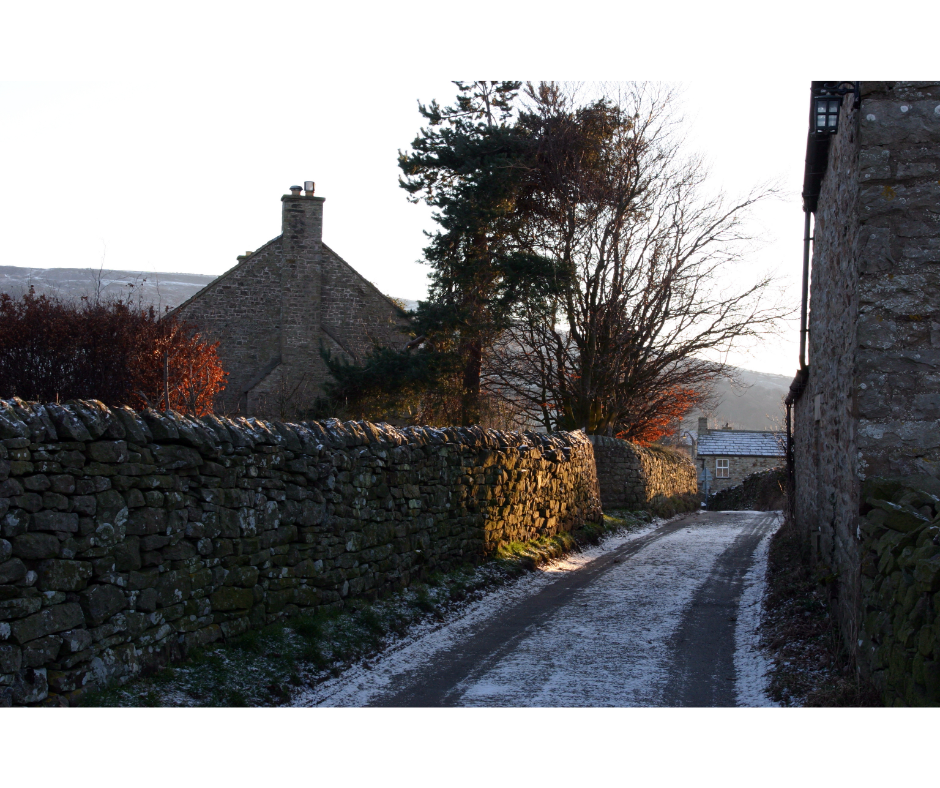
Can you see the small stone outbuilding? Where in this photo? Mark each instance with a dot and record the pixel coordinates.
(725, 457)
(274, 311)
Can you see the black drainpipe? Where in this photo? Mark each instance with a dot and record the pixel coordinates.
(817, 157)
(802, 374)
(803, 305)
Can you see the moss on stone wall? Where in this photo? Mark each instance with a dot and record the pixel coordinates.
(900, 583)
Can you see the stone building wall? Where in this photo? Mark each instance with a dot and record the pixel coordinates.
(274, 311)
(871, 404)
(242, 309)
(355, 314)
(126, 539)
(739, 469)
(898, 379)
(633, 477)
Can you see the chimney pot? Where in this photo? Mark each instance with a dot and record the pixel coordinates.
(295, 191)
(308, 188)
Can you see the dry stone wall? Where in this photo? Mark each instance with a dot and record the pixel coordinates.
(899, 639)
(128, 538)
(633, 477)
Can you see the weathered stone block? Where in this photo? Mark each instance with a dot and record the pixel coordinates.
(75, 640)
(146, 521)
(231, 598)
(148, 600)
(11, 658)
(173, 587)
(37, 483)
(30, 502)
(41, 651)
(19, 607)
(108, 451)
(127, 555)
(36, 546)
(68, 424)
(48, 621)
(13, 570)
(30, 686)
(135, 428)
(173, 457)
(54, 521)
(100, 602)
(60, 575)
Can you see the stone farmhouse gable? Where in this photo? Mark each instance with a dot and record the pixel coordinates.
(274, 311)
(725, 457)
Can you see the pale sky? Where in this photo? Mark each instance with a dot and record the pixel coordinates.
(137, 143)
(174, 176)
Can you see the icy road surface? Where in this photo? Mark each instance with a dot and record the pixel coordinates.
(662, 617)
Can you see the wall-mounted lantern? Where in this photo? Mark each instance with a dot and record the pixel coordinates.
(827, 113)
(826, 105)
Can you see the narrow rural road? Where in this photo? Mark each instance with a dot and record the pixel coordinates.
(663, 617)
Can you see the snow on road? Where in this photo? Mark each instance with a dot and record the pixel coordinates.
(607, 644)
(750, 663)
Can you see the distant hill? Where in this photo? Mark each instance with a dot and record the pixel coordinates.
(159, 289)
(754, 401)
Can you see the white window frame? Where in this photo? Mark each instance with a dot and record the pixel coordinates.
(722, 468)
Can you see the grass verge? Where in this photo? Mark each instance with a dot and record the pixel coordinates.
(267, 667)
(810, 665)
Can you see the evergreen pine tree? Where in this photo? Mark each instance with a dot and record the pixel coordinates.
(473, 164)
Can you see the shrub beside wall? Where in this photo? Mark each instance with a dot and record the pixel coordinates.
(633, 477)
(128, 538)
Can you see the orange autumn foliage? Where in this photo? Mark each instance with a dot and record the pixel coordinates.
(112, 350)
(663, 416)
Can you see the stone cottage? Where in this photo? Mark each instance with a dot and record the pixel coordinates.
(725, 457)
(282, 303)
(866, 399)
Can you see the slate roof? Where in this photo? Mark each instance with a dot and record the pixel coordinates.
(742, 444)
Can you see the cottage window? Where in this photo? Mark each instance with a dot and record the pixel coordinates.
(722, 468)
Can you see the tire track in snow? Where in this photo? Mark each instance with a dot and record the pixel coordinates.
(704, 669)
(609, 645)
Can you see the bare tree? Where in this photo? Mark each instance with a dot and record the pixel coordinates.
(637, 336)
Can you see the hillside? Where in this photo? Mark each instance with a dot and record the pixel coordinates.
(754, 401)
(159, 289)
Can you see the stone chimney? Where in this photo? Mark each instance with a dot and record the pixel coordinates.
(301, 223)
(702, 425)
(301, 252)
